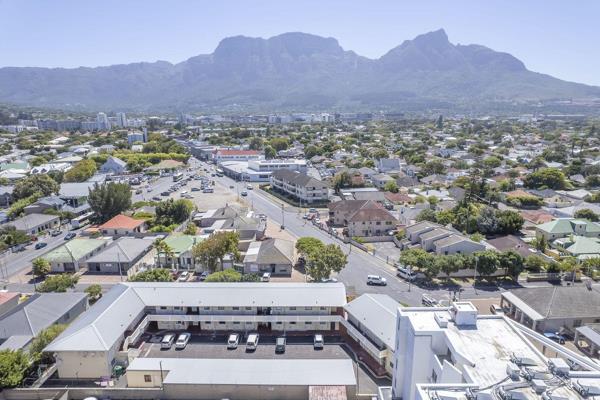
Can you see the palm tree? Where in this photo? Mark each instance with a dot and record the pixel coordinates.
(159, 245)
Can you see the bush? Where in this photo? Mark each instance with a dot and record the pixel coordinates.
(524, 201)
(153, 275)
(58, 283)
(43, 339)
(228, 275)
(13, 366)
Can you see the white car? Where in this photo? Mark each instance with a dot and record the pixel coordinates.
(249, 187)
(233, 341)
(167, 341)
(184, 276)
(376, 280)
(266, 277)
(182, 340)
(318, 342)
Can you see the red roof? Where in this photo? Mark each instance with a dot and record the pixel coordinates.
(238, 152)
(121, 222)
(7, 296)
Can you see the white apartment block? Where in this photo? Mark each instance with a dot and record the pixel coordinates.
(299, 186)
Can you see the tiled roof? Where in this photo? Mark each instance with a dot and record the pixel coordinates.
(121, 222)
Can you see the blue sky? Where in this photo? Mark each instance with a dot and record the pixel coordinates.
(560, 38)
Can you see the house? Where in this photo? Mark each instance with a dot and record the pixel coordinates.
(511, 242)
(563, 227)
(367, 173)
(45, 203)
(374, 316)
(124, 256)
(389, 165)
(89, 346)
(457, 244)
(8, 300)
(180, 254)
(553, 308)
(23, 322)
(579, 246)
(275, 256)
(209, 217)
(122, 225)
(341, 211)
(75, 194)
(380, 180)
(299, 186)
(6, 195)
(71, 256)
(113, 165)
(33, 224)
(371, 222)
(248, 228)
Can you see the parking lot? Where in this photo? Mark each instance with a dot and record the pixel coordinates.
(297, 347)
(216, 347)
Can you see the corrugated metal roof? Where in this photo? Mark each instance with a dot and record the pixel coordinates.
(376, 312)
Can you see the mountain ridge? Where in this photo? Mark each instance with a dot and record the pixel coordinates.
(295, 70)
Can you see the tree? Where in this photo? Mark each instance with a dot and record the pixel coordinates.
(58, 283)
(512, 262)
(592, 181)
(421, 260)
(256, 143)
(492, 162)
(450, 264)
(342, 180)
(320, 264)
(40, 267)
(439, 123)
(173, 211)
(391, 186)
(94, 291)
(487, 262)
(13, 366)
(109, 199)
(427, 215)
(152, 275)
(540, 243)
(80, 172)
(190, 229)
(546, 178)
(228, 275)
(34, 184)
(586, 213)
(487, 222)
(433, 167)
(270, 152)
(212, 251)
(534, 263)
(308, 245)
(279, 143)
(509, 221)
(43, 339)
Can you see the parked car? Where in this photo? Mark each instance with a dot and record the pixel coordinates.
(208, 190)
(233, 340)
(165, 194)
(70, 235)
(252, 342)
(230, 186)
(558, 338)
(428, 301)
(184, 276)
(40, 245)
(167, 341)
(55, 232)
(376, 280)
(266, 277)
(138, 191)
(195, 189)
(249, 187)
(312, 210)
(244, 193)
(156, 198)
(280, 345)
(182, 340)
(203, 275)
(318, 342)
(406, 273)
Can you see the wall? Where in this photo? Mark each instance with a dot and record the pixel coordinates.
(82, 364)
(233, 392)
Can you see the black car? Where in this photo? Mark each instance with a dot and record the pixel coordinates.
(165, 194)
(156, 198)
(40, 245)
(70, 235)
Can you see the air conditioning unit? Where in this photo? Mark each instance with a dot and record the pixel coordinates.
(513, 371)
(441, 319)
(539, 386)
(559, 366)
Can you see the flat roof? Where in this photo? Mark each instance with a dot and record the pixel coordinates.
(249, 371)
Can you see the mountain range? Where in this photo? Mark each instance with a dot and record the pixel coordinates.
(296, 71)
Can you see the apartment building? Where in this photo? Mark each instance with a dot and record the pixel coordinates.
(92, 344)
(299, 186)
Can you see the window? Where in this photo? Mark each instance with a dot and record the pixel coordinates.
(292, 308)
(235, 308)
(221, 322)
(147, 378)
(577, 323)
(220, 308)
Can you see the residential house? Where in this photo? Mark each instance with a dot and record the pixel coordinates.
(563, 227)
(553, 308)
(209, 217)
(457, 244)
(113, 165)
(8, 300)
(180, 254)
(33, 224)
(341, 211)
(6, 195)
(380, 180)
(45, 203)
(275, 256)
(122, 225)
(371, 222)
(124, 256)
(389, 164)
(72, 255)
(23, 322)
(511, 242)
(75, 194)
(299, 186)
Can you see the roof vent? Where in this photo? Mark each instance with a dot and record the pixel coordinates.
(559, 366)
(441, 319)
(464, 313)
(513, 371)
(539, 386)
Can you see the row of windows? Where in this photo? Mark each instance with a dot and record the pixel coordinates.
(177, 308)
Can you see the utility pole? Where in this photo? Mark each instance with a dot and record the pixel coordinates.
(282, 216)
(475, 275)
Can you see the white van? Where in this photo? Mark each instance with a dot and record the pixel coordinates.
(406, 273)
(167, 341)
(376, 280)
(252, 342)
